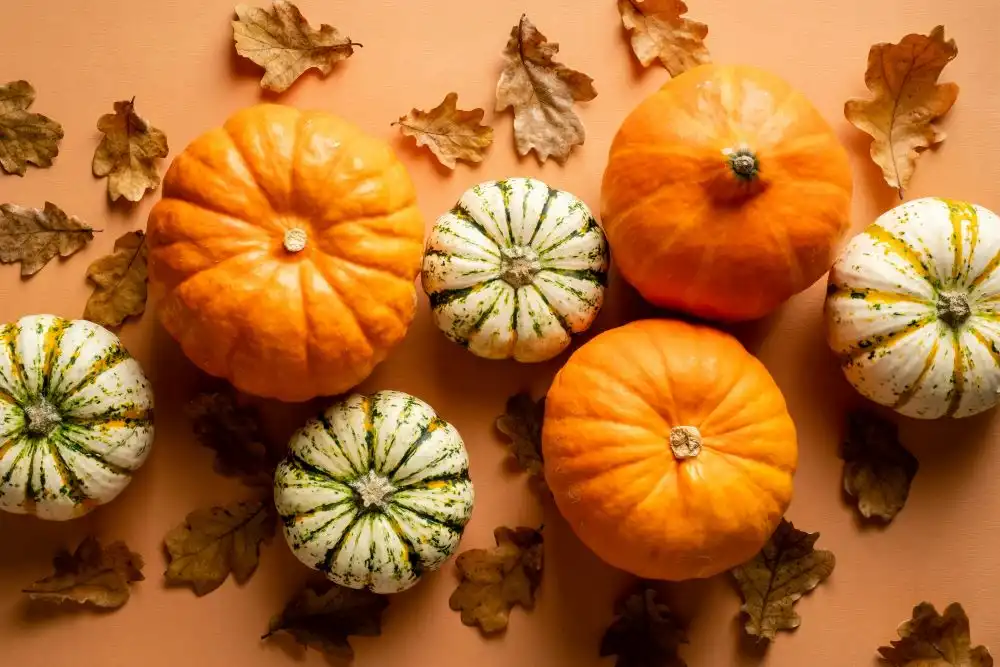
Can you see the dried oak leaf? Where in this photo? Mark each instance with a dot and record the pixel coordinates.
(32, 236)
(659, 30)
(90, 575)
(128, 152)
(451, 134)
(25, 137)
(325, 615)
(773, 581)
(233, 431)
(522, 423)
(494, 580)
(282, 42)
(541, 91)
(215, 542)
(119, 282)
(877, 468)
(644, 633)
(933, 640)
(903, 78)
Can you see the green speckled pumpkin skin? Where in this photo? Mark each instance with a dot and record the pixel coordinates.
(76, 417)
(515, 269)
(375, 492)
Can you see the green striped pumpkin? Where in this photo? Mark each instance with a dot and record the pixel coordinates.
(375, 492)
(76, 417)
(913, 309)
(514, 269)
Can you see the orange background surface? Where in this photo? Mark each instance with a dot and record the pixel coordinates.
(177, 58)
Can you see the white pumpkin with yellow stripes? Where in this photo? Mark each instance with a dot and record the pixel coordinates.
(375, 492)
(76, 417)
(515, 269)
(913, 309)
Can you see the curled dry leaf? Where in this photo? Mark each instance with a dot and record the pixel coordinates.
(90, 575)
(659, 30)
(128, 152)
(215, 542)
(282, 42)
(119, 282)
(773, 581)
(233, 431)
(325, 615)
(541, 91)
(878, 470)
(33, 237)
(25, 137)
(644, 633)
(930, 639)
(907, 99)
(494, 580)
(451, 134)
(522, 423)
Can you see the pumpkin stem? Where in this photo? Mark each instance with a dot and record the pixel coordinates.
(744, 163)
(295, 239)
(373, 489)
(685, 442)
(41, 417)
(953, 308)
(518, 265)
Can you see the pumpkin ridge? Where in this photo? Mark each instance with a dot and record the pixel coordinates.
(492, 251)
(322, 269)
(264, 223)
(331, 554)
(884, 342)
(430, 427)
(303, 539)
(412, 555)
(115, 355)
(453, 526)
(543, 214)
(10, 336)
(91, 455)
(958, 376)
(67, 474)
(555, 312)
(238, 150)
(909, 392)
(25, 447)
(52, 347)
(990, 345)
(874, 295)
(465, 215)
(904, 250)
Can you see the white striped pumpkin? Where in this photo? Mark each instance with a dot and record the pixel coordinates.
(913, 309)
(375, 492)
(514, 269)
(76, 417)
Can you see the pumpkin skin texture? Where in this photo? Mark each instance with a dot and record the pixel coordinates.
(284, 252)
(913, 309)
(515, 269)
(725, 193)
(76, 417)
(375, 492)
(668, 449)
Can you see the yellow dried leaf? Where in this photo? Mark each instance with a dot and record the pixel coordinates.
(451, 134)
(91, 575)
(119, 282)
(25, 137)
(659, 30)
(128, 152)
(907, 99)
(33, 237)
(930, 639)
(282, 42)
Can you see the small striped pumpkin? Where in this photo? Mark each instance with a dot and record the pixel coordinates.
(515, 269)
(375, 492)
(76, 417)
(914, 309)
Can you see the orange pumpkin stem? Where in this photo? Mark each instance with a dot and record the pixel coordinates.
(685, 442)
(744, 164)
(295, 239)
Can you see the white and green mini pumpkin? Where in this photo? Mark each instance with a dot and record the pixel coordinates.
(515, 269)
(76, 417)
(375, 492)
(914, 309)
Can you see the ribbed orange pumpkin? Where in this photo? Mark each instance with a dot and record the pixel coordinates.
(668, 449)
(285, 249)
(725, 193)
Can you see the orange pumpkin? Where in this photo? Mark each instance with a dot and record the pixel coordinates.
(285, 250)
(725, 193)
(668, 449)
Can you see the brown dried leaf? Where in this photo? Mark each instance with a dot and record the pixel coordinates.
(25, 137)
(128, 152)
(215, 542)
(933, 640)
(282, 42)
(233, 431)
(660, 30)
(522, 423)
(878, 470)
(449, 133)
(90, 575)
(119, 282)
(541, 92)
(907, 99)
(325, 615)
(33, 237)
(644, 633)
(774, 580)
(494, 580)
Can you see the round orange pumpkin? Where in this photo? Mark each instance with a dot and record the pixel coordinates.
(725, 193)
(668, 449)
(285, 250)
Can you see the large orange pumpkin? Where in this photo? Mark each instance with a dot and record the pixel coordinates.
(725, 193)
(668, 449)
(285, 247)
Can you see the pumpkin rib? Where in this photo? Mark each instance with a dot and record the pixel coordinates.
(884, 342)
(336, 290)
(550, 196)
(260, 181)
(909, 392)
(902, 249)
(629, 389)
(958, 377)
